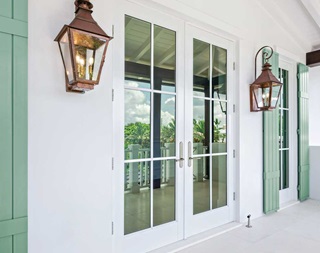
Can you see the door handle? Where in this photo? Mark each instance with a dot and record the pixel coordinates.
(190, 158)
(181, 159)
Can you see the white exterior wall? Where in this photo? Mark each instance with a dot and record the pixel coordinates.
(314, 105)
(70, 135)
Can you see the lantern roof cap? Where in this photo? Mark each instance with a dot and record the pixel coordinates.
(266, 75)
(84, 21)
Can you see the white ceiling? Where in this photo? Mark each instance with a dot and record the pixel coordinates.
(301, 18)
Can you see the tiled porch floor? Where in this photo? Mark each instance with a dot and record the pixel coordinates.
(293, 229)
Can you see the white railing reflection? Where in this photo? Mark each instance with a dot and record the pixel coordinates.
(137, 174)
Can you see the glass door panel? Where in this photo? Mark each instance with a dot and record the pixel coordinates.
(209, 159)
(209, 126)
(150, 126)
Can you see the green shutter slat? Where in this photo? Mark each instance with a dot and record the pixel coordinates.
(6, 244)
(20, 10)
(20, 242)
(271, 152)
(13, 126)
(303, 137)
(6, 8)
(12, 26)
(14, 226)
(20, 125)
(5, 127)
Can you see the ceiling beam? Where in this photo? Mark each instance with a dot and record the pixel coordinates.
(140, 52)
(167, 55)
(313, 58)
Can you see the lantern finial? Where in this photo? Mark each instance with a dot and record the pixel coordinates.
(84, 4)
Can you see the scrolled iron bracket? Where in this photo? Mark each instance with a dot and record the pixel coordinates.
(265, 54)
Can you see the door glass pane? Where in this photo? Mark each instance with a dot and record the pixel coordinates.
(164, 191)
(137, 52)
(201, 126)
(201, 185)
(284, 129)
(136, 196)
(164, 59)
(219, 127)
(137, 124)
(164, 125)
(219, 181)
(201, 68)
(219, 72)
(285, 169)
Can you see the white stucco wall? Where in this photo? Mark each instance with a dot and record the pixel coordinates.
(314, 105)
(70, 142)
(70, 135)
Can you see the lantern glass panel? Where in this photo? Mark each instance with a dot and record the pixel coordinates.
(275, 93)
(89, 51)
(66, 56)
(262, 96)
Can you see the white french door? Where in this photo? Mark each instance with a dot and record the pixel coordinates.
(173, 123)
(287, 129)
(209, 136)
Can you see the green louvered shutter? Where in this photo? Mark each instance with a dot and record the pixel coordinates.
(271, 171)
(303, 132)
(13, 126)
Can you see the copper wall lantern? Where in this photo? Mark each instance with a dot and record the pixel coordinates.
(83, 45)
(265, 90)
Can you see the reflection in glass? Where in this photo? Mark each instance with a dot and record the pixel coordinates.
(201, 185)
(164, 194)
(136, 197)
(284, 127)
(201, 126)
(164, 59)
(220, 127)
(201, 68)
(284, 165)
(89, 51)
(284, 98)
(219, 72)
(65, 50)
(137, 124)
(137, 52)
(164, 125)
(219, 181)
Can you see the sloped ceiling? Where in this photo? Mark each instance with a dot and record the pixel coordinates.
(301, 18)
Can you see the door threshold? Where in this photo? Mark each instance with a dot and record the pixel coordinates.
(195, 239)
(288, 204)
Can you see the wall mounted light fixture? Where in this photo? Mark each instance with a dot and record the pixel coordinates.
(83, 46)
(265, 90)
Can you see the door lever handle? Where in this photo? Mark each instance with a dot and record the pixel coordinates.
(181, 159)
(189, 154)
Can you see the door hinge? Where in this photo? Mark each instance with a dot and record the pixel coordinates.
(112, 95)
(112, 165)
(234, 108)
(112, 230)
(234, 66)
(234, 153)
(234, 196)
(298, 131)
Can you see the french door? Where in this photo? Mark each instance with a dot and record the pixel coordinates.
(173, 120)
(208, 130)
(287, 129)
